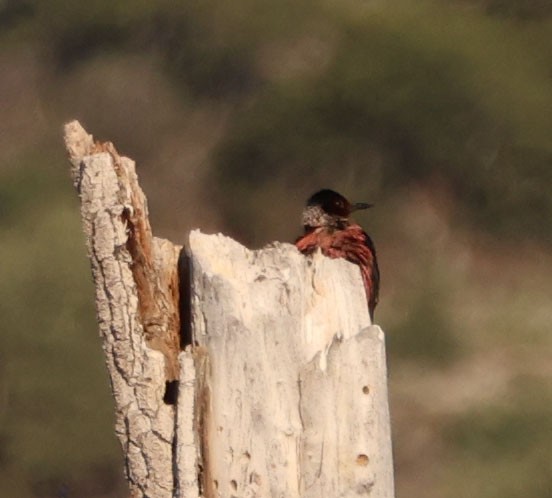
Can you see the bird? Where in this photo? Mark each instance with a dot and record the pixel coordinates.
(328, 226)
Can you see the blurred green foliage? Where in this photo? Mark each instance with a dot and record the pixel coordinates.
(379, 99)
(435, 94)
(511, 441)
(53, 389)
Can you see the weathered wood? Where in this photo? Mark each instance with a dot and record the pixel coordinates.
(137, 305)
(297, 378)
(187, 436)
(283, 392)
(346, 448)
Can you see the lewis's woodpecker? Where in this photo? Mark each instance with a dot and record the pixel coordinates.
(328, 227)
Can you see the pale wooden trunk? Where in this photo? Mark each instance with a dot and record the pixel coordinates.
(283, 393)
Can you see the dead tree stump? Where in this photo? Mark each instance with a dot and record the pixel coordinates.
(283, 392)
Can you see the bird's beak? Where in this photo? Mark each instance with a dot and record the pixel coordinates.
(360, 205)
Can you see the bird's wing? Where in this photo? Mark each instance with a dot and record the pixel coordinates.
(360, 249)
(308, 242)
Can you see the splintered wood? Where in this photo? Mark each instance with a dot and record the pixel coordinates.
(282, 395)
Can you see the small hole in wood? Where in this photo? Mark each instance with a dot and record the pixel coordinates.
(362, 460)
(255, 478)
(366, 390)
(234, 485)
(215, 483)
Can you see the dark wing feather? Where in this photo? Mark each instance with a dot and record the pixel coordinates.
(361, 251)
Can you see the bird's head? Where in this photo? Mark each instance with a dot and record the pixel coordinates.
(327, 208)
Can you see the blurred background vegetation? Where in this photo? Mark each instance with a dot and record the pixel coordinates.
(439, 112)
